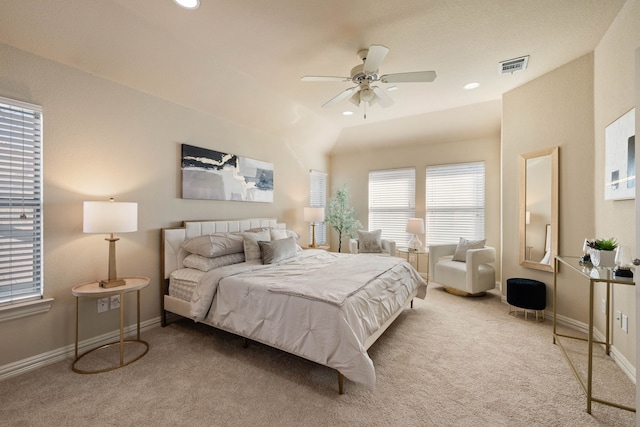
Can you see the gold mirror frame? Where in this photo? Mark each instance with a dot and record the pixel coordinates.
(542, 224)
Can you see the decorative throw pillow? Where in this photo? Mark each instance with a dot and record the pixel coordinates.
(205, 263)
(251, 247)
(369, 242)
(464, 245)
(278, 250)
(278, 233)
(214, 245)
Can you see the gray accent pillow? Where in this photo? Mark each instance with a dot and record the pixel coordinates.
(206, 263)
(251, 247)
(464, 245)
(369, 242)
(214, 245)
(278, 250)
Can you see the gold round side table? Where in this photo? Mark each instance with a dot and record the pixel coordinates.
(94, 290)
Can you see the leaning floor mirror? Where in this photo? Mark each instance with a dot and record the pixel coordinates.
(539, 209)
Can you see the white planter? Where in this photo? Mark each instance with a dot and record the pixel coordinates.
(602, 258)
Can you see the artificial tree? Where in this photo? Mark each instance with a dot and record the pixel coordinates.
(340, 216)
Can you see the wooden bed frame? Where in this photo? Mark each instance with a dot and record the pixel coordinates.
(172, 256)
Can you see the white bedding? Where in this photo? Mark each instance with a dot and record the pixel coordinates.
(318, 321)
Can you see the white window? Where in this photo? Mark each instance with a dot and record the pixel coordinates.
(455, 202)
(20, 202)
(392, 200)
(318, 199)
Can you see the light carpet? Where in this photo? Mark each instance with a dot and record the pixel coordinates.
(449, 361)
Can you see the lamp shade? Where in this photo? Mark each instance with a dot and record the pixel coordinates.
(314, 214)
(110, 217)
(415, 226)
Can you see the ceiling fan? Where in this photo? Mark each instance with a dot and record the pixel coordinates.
(365, 74)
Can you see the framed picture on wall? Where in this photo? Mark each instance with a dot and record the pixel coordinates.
(620, 159)
(214, 175)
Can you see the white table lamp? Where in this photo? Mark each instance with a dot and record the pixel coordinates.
(313, 215)
(415, 226)
(110, 217)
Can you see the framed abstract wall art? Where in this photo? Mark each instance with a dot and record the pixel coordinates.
(620, 158)
(213, 175)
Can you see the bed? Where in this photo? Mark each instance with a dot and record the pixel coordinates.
(273, 296)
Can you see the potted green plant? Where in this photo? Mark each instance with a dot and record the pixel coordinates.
(341, 217)
(602, 252)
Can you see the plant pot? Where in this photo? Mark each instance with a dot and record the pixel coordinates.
(603, 258)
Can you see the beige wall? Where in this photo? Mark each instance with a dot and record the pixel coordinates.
(614, 82)
(553, 110)
(570, 107)
(353, 169)
(100, 140)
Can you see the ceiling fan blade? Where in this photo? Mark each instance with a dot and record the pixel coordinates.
(383, 99)
(416, 76)
(325, 79)
(342, 95)
(375, 56)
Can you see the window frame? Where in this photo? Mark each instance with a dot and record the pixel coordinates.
(395, 202)
(465, 215)
(21, 173)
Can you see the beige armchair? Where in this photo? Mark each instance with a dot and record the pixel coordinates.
(470, 278)
(388, 246)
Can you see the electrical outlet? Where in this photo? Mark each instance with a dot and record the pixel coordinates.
(625, 323)
(103, 305)
(115, 302)
(604, 306)
(619, 318)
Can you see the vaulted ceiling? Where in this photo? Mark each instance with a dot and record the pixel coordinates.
(243, 59)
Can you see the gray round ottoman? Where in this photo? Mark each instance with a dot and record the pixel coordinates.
(527, 294)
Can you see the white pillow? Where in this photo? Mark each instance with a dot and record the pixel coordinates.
(464, 245)
(278, 250)
(278, 233)
(251, 247)
(214, 245)
(206, 263)
(369, 242)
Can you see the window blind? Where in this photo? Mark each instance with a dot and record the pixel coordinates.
(392, 201)
(455, 196)
(20, 201)
(318, 199)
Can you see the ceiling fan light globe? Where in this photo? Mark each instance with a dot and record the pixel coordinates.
(367, 95)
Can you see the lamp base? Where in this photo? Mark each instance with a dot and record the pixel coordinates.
(415, 244)
(112, 283)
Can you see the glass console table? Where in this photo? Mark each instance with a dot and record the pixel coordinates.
(593, 275)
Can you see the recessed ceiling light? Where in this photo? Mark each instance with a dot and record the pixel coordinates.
(188, 4)
(392, 88)
(347, 113)
(473, 85)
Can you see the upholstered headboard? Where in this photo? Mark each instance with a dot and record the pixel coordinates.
(172, 254)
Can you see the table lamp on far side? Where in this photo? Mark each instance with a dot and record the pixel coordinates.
(313, 215)
(415, 226)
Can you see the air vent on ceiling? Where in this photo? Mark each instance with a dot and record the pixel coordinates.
(513, 65)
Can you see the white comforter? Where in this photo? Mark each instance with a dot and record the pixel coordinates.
(309, 306)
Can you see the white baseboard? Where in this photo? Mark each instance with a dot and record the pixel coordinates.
(615, 354)
(68, 352)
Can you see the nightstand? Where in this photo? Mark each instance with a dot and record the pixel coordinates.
(94, 290)
(323, 247)
(416, 253)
